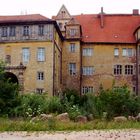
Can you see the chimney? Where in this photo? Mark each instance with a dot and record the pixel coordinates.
(102, 17)
(135, 12)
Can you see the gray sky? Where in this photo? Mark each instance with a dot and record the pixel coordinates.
(51, 7)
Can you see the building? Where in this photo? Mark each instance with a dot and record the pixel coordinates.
(79, 52)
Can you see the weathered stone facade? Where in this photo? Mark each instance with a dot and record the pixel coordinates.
(79, 52)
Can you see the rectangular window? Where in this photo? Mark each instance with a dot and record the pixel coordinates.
(12, 31)
(117, 69)
(116, 52)
(8, 59)
(87, 89)
(88, 70)
(87, 52)
(4, 32)
(124, 52)
(127, 52)
(41, 54)
(25, 30)
(72, 32)
(72, 68)
(40, 76)
(25, 55)
(128, 69)
(72, 47)
(39, 90)
(41, 30)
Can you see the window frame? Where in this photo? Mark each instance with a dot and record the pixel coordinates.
(87, 51)
(129, 69)
(87, 70)
(4, 31)
(87, 89)
(41, 30)
(40, 76)
(25, 57)
(12, 31)
(72, 69)
(116, 54)
(72, 47)
(41, 54)
(26, 30)
(117, 69)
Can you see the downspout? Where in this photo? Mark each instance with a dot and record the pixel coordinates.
(137, 71)
(80, 69)
(53, 61)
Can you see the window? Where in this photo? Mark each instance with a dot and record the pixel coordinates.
(25, 30)
(116, 52)
(25, 55)
(87, 70)
(72, 47)
(4, 32)
(139, 69)
(12, 31)
(88, 89)
(128, 69)
(39, 90)
(72, 32)
(117, 69)
(72, 68)
(41, 54)
(87, 52)
(60, 25)
(127, 52)
(40, 76)
(41, 30)
(8, 59)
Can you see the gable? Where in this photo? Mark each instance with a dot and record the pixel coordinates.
(63, 13)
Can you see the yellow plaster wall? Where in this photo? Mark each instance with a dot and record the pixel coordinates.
(30, 75)
(103, 61)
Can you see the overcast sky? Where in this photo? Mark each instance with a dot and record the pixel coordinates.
(51, 7)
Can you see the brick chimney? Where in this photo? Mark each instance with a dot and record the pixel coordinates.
(102, 18)
(135, 11)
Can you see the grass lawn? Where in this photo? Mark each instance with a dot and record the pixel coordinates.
(26, 125)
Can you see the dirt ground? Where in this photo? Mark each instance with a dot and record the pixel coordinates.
(81, 135)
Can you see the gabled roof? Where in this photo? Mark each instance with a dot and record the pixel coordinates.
(118, 28)
(23, 18)
(61, 15)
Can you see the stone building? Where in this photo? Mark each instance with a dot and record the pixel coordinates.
(79, 52)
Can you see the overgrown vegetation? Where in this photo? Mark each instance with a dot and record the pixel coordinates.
(104, 106)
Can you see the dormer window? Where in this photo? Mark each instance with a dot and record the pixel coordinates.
(72, 32)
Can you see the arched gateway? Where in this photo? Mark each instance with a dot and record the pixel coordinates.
(16, 74)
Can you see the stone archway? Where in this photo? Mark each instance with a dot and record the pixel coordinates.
(16, 73)
(11, 77)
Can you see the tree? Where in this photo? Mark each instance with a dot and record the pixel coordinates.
(8, 92)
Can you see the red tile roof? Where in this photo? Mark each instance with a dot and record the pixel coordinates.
(22, 18)
(117, 28)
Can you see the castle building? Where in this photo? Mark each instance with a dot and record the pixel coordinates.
(79, 52)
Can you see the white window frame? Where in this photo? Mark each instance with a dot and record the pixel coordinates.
(127, 52)
(129, 69)
(72, 47)
(116, 51)
(88, 70)
(72, 68)
(40, 75)
(25, 55)
(87, 51)
(41, 54)
(87, 89)
(117, 69)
